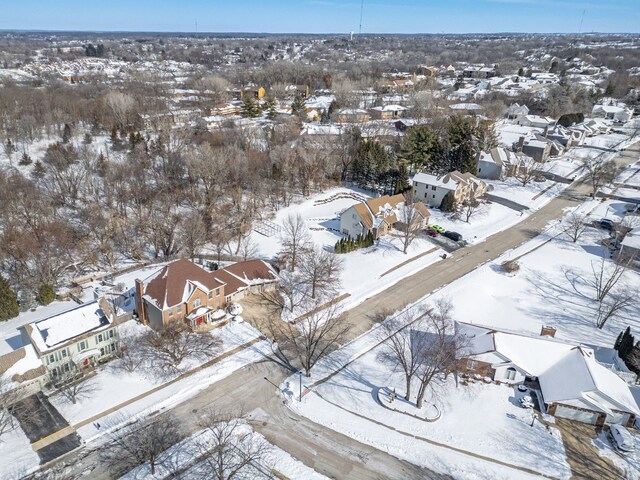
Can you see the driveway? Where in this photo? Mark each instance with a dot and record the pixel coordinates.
(583, 457)
(39, 419)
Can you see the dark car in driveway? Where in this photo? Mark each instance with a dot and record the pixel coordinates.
(455, 236)
(606, 224)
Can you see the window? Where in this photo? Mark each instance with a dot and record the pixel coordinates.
(110, 333)
(197, 302)
(64, 353)
(171, 312)
(82, 346)
(434, 195)
(66, 367)
(102, 352)
(510, 374)
(415, 184)
(210, 295)
(425, 194)
(112, 347)
(433, 187)
(472, 364)
(217, 292)
(99, 338)
(51, 358)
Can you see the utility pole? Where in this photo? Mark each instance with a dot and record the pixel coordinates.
(582, 20)
(361, 10)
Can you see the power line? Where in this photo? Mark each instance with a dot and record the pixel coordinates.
(361, 10)
(582, 20)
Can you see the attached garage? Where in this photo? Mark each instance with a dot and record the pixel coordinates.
(584, 416)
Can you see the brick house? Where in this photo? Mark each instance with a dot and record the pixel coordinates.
(571, 383)
(184, 291)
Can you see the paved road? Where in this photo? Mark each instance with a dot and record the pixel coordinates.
(325, 450)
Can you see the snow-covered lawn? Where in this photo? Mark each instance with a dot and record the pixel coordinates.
(181, 456)
(115, 386)
(15, 445)
(484, 419)
(549, 289)
(629, 463)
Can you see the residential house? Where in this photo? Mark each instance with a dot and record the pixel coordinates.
(479, 72)
(612, 112)
(630, 246)
(380, 215)
(535, 121)
(352, 115)
(387, 112)
(567, 137)
(539, 150)
(516, 110)
(431, 189)
(499, 163)
(73, 340)
(183, 291)
(572, 384)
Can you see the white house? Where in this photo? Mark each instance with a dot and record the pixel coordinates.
(516, 110)
(612, 112)
(535, 121)
(431, 189)
(572, 383)
(499, 162)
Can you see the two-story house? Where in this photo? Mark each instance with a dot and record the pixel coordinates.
(379, 215)
(431, 189)
(75, 339)
(180, 291)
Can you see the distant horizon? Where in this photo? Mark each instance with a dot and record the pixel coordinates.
(321, 17)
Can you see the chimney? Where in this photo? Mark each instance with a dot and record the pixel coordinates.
(142, 314)
(547, 331)
(520, 144)
(546, 131)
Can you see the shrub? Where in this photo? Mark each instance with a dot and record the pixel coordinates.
(46, 294)
(510, 266)
(8, 301)
(448, 203)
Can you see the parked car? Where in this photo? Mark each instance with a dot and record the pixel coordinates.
(436, 228)
(526, 402)
(606, 224)
(455, 236)
(621, 439)
(431, 233)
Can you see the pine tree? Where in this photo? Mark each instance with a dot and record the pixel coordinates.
(616, 345)
(250, 107)
(462, 152)
(46, 294)
(25, 160)
(626, 344)
(270, 108)
(38, 170)
(448, 203)
(298, 107)
(324, 118)
(66, 133)
(418, 146)
(8, 301)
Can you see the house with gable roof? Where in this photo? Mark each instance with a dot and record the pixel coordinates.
(379, 215)
(431, 189)
(184, 291)
(571, 382)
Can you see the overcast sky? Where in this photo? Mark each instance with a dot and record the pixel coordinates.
(324, 16)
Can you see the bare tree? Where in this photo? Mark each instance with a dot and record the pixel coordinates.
(442, 349)
(130, 354)
(527, 171)
(403, 349)
(146, 441)
(320, 273)
(121, 105)
(7, 399)
(606, 276)
(74, 387)
(411, 218)
(310, 339)
(470, 208)
(614, 304)
(295, 240)
(600, 171)
(227, 450)
(175, 343)
(575, 225)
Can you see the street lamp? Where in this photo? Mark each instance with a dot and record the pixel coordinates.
(300, 377)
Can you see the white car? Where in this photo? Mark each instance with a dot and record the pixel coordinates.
(621, 439)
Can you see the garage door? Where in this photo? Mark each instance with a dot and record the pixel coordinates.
(617, 417)
(577, 415)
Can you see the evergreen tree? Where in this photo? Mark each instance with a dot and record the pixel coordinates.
(8, 301)
(250, 107)
(270, 108)
(616, 345)
(66, 133)
(38, 170)
(418, 146)
(25, 160)
(626, 344)
(298, 107)
(460, 137)
(448, 203)
(402, 178)
(46, 294)
(521, 72)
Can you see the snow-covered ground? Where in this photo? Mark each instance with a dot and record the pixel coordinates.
(124, 386)
(629, 463)
(484, 419)
(180, 456)
(15, 445)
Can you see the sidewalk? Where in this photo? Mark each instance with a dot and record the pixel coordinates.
(54, 437)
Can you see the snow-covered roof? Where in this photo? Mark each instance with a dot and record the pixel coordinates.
(54, 331)
(632, 239)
